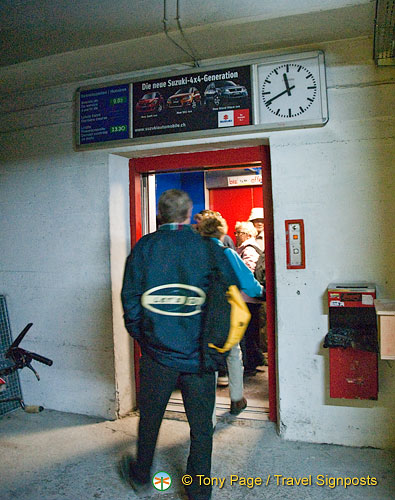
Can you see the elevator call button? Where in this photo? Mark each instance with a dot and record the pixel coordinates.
(294, 232)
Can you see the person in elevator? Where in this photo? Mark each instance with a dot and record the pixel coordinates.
(245, 233)
(214, 226)
(222, 378)
(227, 240)
(165, 282)
(257, 217)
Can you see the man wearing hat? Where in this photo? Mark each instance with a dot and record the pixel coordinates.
(257, 218)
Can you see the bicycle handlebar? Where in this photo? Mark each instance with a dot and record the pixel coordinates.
(20, 356)
(38, 357)
(19, 339)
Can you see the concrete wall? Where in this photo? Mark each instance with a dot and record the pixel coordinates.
(55, 265)
(340, 180)
(55, 246)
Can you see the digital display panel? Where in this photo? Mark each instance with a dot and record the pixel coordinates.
(104, 114)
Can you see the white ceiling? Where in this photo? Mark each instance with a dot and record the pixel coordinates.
(58, 41)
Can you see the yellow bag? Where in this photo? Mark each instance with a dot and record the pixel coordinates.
(239, 318)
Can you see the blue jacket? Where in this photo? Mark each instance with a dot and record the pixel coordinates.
(247, 282)
(165, 283)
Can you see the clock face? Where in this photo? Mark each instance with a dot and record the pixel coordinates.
(288, 90)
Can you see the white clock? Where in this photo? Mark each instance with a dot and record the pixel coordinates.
(291, 91)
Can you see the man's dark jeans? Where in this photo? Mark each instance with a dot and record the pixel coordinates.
(198, 392)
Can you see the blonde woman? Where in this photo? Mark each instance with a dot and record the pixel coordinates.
(214, 226)
(245, 233)
(226, 239)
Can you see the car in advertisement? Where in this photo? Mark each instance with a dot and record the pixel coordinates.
(152, 102)
(224, 92)
(185, 97)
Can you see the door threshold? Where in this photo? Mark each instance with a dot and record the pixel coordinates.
(222, 410)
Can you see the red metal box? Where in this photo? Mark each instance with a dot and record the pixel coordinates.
(353, 373)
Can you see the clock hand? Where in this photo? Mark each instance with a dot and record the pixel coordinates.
(287, 91)
(286, 84)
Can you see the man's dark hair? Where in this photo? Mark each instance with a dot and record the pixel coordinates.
(173, 206)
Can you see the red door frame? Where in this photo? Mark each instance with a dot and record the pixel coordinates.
(202, 161)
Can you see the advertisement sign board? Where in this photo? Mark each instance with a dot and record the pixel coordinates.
(195, 101)
(205, 100)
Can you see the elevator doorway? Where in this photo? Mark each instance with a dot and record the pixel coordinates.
(233, 193)
(144, 172)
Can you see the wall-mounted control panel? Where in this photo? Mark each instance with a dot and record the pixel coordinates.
(294, 234)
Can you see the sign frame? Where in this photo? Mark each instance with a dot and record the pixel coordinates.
(253, 127)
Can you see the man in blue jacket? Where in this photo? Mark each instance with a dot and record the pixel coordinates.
(165, 284)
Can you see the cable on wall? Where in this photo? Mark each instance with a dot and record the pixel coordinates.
(191, 52)
(178, 19)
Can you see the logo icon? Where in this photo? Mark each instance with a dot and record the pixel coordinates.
(226, 118)
(161, 481)
(174, 299)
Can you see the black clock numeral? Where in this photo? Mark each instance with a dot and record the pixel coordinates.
(309, 76)
(312, 88)
(299, 68)
(268, 81)
(287, 68)
(276, 72)
(266, 93)
(289, 112)
(301, 109)
(277, 112)
(310, 99)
